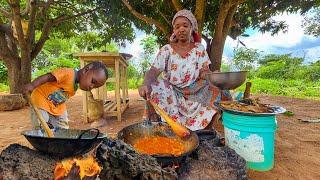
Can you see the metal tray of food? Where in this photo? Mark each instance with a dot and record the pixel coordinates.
(273, 110)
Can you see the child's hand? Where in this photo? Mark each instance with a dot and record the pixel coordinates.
(28, 88)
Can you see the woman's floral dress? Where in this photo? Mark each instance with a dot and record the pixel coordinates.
(180, 91)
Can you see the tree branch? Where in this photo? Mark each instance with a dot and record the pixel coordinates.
(223, 11)
(144, 18)
(177, 5)
(8, 31)
(165, 18)
(30, 33)
(5, 53)
(27, 9)
(17, 22)
(5, 12)
(44, 37)
(13, 47)
(228, 20)
(45, 7)
(63, 18)
(199, 13)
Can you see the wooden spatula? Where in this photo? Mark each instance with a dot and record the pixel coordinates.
(42, 121)
(177, 128)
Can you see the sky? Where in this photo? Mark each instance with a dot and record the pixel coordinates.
(294, 41)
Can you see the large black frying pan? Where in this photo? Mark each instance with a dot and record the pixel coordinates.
(134, 132)
(66, 142)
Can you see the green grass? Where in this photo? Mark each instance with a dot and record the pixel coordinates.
(290, 88)
(4, 87)
(132, 84)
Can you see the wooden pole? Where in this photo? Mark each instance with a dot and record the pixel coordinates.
(247, 90)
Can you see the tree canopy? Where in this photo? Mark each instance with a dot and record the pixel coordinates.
(216, 19)
(25, 26)
(312, 22)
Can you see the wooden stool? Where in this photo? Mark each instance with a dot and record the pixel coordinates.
(119, 64)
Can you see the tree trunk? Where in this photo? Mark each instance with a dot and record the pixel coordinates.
(222, 28)
(19, 74)
(216, 51)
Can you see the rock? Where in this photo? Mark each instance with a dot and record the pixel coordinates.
(9, 102)
(20, 162)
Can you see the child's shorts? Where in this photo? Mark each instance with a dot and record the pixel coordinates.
(53, 121)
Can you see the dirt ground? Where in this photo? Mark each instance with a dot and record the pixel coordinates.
(297, 146)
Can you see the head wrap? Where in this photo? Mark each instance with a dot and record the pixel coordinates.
(194, 25)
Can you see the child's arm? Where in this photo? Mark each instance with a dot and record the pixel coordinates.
(39, 81)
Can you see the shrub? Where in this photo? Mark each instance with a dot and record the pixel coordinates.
(3, 73)
(4, 87)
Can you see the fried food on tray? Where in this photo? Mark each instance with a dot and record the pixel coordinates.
(246, 105)
(159, 145)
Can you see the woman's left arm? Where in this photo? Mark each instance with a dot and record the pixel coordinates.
(204, 62)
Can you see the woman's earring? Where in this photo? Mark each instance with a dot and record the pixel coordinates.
(191, 37)
(173, 38)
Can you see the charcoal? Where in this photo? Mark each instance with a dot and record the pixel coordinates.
(211, 162)
(20, 162)
(121, 161)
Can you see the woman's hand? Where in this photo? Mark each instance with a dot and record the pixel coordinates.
(145, 91)
(150, 77)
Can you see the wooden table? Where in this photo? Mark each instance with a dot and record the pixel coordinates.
(115, 61)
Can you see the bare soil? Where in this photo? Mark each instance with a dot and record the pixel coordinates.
(297, 145)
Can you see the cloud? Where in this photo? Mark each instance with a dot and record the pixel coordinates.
(305, 43)
(293, 41)
(134, 48)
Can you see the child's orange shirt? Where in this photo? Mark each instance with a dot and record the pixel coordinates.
(65, 81)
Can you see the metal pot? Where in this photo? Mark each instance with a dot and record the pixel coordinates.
(66, 142)
(227, 80)
(134, 132)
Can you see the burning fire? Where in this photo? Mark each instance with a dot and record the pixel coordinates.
(88, 166)
(176, 165)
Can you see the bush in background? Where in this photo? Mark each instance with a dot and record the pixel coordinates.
(57, 63)
(3, 73)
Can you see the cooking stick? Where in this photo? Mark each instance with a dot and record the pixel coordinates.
(41, 119)
(177, 128)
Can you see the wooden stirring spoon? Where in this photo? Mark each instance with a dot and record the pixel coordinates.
(177, 128)
(42, 121)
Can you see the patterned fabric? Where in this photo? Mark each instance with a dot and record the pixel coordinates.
(187, 14)
(42, 95)
(180, 91)
(58, 97)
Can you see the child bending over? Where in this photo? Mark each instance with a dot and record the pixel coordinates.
(52, 90)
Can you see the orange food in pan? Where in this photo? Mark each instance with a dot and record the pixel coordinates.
(159, 145)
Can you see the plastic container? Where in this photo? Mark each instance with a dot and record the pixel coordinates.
(252, 137)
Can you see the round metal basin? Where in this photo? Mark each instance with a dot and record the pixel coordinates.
(227, 80)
